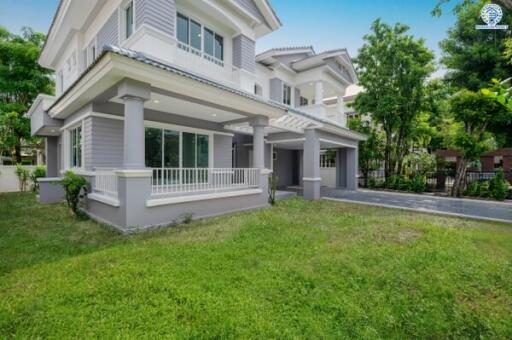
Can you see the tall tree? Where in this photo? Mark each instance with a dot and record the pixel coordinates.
(393, 67)
(473, 57)
(475, 114)
(21, 80)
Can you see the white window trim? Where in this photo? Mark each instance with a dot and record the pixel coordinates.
(291, 93)
(67, 146)
(122, 20)
(181, 129)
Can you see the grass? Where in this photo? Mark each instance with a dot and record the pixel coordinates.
(298, 270)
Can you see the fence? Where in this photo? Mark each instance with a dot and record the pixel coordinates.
(9, 180)
(436, 181)
(105, 183)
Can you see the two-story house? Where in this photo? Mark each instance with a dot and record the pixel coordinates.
(165, 108)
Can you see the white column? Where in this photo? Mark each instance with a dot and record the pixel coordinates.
(319, 92)
(340, 107)
(134, 140)
(258, 142)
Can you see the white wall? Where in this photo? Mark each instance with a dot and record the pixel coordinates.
(8, 179)
(328, 176)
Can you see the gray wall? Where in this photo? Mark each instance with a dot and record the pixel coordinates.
(104, 143)
(276, 90)
(222, 151)
(160, 14)
(283, 166)
(109, 33)
(244, 52)
(334, 65)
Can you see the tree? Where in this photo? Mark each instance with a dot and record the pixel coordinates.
(474, 57)
(21, 80)
(393, 67)
(474, 113)
(370, 151)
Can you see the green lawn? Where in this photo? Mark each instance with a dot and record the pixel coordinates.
(298, 270)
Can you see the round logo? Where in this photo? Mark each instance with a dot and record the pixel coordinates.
(491, 14)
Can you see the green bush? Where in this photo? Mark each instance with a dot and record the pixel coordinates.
(483, 189)
(472, 189)
(417, 184)
(23, 175)
(38, 172)
(73, 186)
(397, 182)
(498, 186)
(372, 183)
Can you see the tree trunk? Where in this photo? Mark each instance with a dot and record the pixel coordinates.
(17, 153)
(460, 178)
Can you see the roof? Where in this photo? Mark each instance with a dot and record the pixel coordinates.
(141, 57)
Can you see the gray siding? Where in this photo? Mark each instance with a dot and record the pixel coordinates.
(160, 14)
(244, 51)
(87, 137)
(106, 143)
(251, 7)
(276, 90)
(109, 33)
(336, 67)
(222, 151)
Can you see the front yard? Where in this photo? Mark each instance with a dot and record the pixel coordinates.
(298, 270)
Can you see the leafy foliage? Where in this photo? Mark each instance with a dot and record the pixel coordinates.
(23, 175)
(73, 185)
(272, 188)
(498, 186)
(21, 80)
(38, 172)
(393, 68)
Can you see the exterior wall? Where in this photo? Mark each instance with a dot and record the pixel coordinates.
(284, 166)
(105, 143)
(8, 178)
(276, 90)
(251, 7)
(160, 14)
(222, 151)
(244, 51)
(109, 33)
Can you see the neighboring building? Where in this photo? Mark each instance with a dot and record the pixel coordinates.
(165, 108)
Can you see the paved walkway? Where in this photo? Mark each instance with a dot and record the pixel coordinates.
(450, 206)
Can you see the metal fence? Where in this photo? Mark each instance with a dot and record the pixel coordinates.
(435, 181)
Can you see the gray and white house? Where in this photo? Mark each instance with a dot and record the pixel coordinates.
(165, 108)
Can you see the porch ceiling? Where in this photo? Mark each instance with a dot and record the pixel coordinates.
(289, 122)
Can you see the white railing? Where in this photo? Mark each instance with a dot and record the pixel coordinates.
(105, 183)
(326, 161)
(188, 180)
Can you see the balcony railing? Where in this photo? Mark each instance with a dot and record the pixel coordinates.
(105, 183)
(195, 180)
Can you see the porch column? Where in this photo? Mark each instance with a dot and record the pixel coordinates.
(347, 168)
(319, 92)
(258, 142)
(52, 158)
(311, 159)
(134, 94)
(340, 107)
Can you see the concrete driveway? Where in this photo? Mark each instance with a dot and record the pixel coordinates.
(485, 210)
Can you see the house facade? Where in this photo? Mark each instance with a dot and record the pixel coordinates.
(164, 106)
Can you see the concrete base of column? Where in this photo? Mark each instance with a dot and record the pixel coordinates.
(311, 188)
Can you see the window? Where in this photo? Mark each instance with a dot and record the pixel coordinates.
(202, 40)
(498, 162)
(76, 147)
(183, 28)
(195, 35)
(163, 149)
(303, 101)
(287, 95)
(128, 20)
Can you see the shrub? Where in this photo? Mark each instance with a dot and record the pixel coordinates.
(397, 182)
(483, 189)
(417, 184)
(73, 186)
(272, 188)
(498, 186)
(186, 218)
(472, 189)
(372, 183)
(23, 175)
(38, 172)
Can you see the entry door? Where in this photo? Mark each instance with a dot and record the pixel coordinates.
(295, 167)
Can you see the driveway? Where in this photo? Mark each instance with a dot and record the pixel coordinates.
(496, 211)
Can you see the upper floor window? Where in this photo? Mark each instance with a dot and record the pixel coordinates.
(199, 40)
(76, 147)
(128, 20)
(303, 101)
(287, 94)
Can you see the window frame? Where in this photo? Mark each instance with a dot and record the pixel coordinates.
(73, 146)
(124, 21)
(287, 100)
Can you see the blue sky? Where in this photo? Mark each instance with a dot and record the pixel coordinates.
(325, 24)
